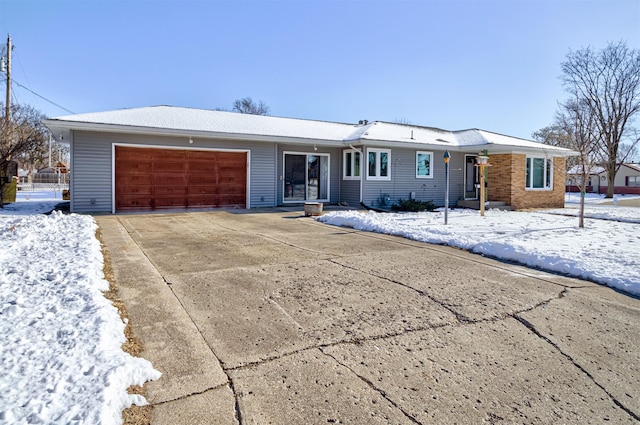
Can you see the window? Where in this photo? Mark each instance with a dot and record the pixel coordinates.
(539, 174)
(351, 161)
(633, 181)
(378, 164)
(424, 169)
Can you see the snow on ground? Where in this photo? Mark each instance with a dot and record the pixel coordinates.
(60, 338)
(605, 251)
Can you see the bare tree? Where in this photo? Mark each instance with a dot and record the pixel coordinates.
(607, 82)
(556, 135)
(248, 106)
(21, 136)
(576, 121)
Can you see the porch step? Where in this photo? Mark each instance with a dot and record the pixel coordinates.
(474, 204)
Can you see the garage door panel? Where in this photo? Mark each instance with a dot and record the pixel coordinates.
(202, 190)
(136, 203)
(133, 167)
(170, 190)
(156, 178)
(202, 179)
(130, 154)
(135, 190)
(169, 167)
(170, 180)
(134, 179)
(200, 166)
(169, 202)
(202, 201)
(177, 155)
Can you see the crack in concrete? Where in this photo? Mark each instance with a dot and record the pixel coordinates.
(531, 327)
(229, 382)
(186, 396)
(371, 385)
(387, 335)
(236, 405)
(461, 320)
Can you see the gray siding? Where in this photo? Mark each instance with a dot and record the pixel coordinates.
(403, 179)
(350, 192)
(91, 173)
(91, 189)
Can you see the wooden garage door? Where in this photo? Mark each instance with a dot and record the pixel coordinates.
(150, 179)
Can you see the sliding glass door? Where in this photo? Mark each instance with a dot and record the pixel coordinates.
(306, 177)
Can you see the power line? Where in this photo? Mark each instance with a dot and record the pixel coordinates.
(42, 97)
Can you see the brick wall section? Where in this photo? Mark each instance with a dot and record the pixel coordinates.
(500, 178)
(506, 183)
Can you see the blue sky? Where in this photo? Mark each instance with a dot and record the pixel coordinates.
(450, 64)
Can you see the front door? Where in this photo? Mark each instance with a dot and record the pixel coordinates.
(470, 177)
(306, 177)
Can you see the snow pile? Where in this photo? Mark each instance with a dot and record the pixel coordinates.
(60, 338)
(604, 251)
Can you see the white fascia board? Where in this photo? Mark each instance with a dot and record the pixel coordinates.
(155, 131)
(467, 149)
(406, 145)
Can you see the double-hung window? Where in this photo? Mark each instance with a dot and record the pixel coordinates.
(378, 164)
(351, 162)
(539, 174)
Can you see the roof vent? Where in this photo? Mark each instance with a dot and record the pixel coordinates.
(363, 122)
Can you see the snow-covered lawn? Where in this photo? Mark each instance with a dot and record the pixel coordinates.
(60, 338)
(605, 251)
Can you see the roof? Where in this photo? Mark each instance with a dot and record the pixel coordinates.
(209, 123)
(576, 169)
(594, 169)
(633, 166)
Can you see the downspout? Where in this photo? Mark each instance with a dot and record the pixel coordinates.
(362, 204)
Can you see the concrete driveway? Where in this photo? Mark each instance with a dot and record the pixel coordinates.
(274, 318)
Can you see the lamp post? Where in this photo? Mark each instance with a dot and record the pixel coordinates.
(446, 191)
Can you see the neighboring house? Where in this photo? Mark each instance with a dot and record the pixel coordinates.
(166, 157)
(627, 179)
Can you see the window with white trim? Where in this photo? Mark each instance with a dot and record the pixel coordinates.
(539, 174)
(633, 181)
(351, 162)
(378, 164)
(424, 165)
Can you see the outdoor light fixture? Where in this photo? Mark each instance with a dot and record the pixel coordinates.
(190, 141)
(446, 158)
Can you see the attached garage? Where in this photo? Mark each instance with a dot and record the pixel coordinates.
(148, 179)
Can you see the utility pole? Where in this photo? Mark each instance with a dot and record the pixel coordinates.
(7, 105)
